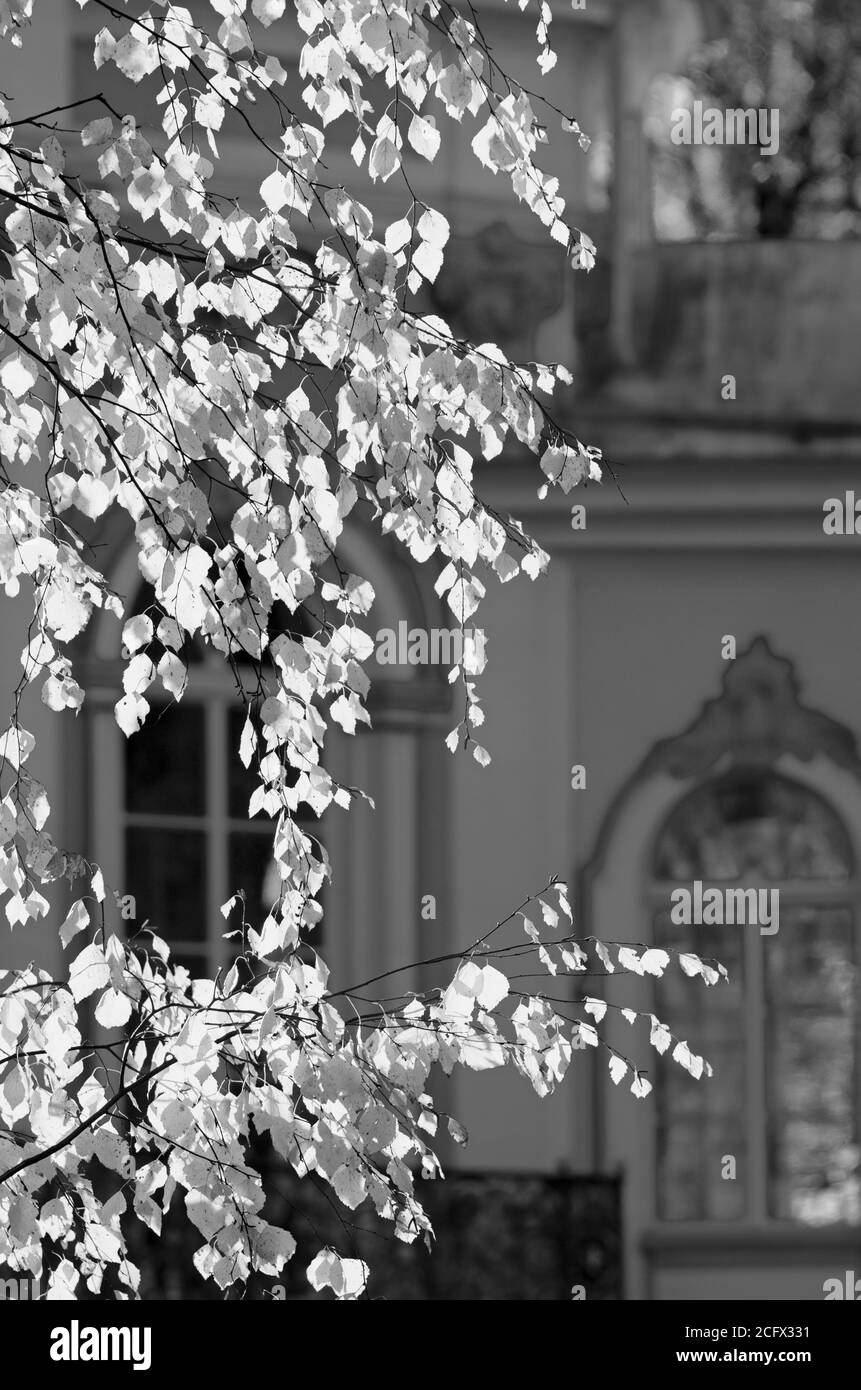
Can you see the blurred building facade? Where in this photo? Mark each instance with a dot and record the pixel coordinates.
(720, 378)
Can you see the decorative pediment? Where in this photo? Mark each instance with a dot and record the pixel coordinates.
(756, 718)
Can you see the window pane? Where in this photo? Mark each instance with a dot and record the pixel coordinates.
(166, 873)
(252, 869)
(701, 1121)
(812, 983)
(749, 825)
(166, 763)
(195, 962)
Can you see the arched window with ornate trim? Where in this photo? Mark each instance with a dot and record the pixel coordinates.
(781, 1034)
(726, 1175)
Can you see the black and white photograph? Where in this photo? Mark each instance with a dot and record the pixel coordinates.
(430, 672)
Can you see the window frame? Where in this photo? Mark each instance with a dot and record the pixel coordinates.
(212, 691)
(798, 892)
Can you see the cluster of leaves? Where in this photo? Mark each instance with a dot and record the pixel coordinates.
(203, 1066)
(235, 383)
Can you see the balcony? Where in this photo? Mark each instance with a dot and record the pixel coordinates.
(781, 317)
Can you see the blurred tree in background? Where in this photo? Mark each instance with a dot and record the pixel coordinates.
(801, 58)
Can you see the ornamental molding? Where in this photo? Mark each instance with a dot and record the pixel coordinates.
(756, 719)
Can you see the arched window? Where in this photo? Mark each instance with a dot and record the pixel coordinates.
(165, 813)
(782, 1035)
(186, 843)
